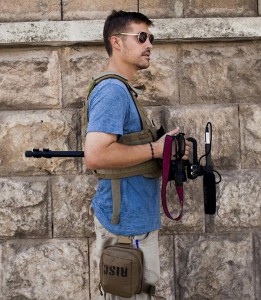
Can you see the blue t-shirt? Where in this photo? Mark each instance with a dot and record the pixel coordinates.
(112, 110)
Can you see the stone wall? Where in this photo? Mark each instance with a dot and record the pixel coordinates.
(205, 67)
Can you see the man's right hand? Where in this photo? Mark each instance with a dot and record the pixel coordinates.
(158, 146)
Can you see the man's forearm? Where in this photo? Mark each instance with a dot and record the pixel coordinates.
(102, 151)
(117, 155)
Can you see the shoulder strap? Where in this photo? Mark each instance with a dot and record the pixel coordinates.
(146, 124)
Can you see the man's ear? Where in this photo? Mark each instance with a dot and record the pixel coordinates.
(116, 42)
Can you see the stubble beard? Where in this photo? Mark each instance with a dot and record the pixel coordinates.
(144, 61)
(141, 62)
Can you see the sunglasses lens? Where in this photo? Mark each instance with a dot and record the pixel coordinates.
(142, 37)
(151, 38)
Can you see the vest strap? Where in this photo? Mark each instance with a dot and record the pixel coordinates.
(116, 196)
(149, 169)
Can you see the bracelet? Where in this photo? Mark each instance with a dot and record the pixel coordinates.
(152, 150)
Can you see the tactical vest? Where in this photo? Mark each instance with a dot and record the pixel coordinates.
(150, 169)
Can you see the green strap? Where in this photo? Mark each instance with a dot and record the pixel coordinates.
(149, 169)
(104, 75)
(116, 196)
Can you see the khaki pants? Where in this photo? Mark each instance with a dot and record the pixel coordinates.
(149, 245)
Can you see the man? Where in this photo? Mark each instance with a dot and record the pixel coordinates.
(112, 114)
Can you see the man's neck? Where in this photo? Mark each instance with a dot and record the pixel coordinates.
(120, 69)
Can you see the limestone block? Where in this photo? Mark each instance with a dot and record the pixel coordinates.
(207, 29)
(206, 267)
(25, 130)
(24, 207)
(220, 73)
(161, 9)
(79, 66)
(239, 201)
(155, 115)
(30, 10)
(46, 269)
(173, 30)
(29, 79)
(250, 133)
(161, 78)
(219, 8)
(88, 9)
(71, 205)
(225, 131)
(257, 264)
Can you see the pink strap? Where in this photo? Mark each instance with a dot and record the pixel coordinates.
(167, 152)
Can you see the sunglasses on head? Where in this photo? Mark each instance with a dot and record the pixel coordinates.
(142, 36)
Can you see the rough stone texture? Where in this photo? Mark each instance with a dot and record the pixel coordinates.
(237, 209)
(219, 8)
(35, 10)
(207, 29)
(29, 79)
(24, 207)
(161, 79)
(225, 131)
(250, 132)
(220, 73)
(55, 33)
(79, 65)
(71, 205)
(206, 267)
(193, 219)
(45, 269)
(216, 78)
(25, 130)
(64, 33)
(161, 9)
(155, 115)
(88, 9)
(30, 10)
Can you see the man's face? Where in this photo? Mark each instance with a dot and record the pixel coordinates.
(134, 54)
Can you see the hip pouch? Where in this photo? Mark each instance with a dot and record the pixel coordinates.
(121, 270)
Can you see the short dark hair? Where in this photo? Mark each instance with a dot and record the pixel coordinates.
(119, 21)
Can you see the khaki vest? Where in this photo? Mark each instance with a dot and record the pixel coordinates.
(150, 169)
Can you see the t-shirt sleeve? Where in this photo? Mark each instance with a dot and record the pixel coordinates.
(108, 107)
